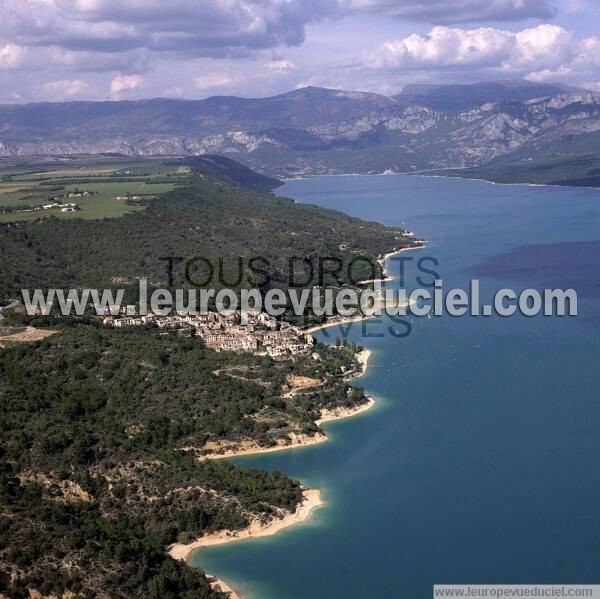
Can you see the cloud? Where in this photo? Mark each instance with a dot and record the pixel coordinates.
(66, 87)
(443, 11)
(548, 45)
(279, 66)
(537, 52)
(123, 83)
(204, 82)
(443, 46)
(10, 56)
(240, 45)
(218, 28)
(589, 52)
(551, 75)
(199, 28)
(579, 7)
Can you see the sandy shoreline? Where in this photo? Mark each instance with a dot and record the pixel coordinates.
(382, 259)
(247, 448)
(345, 320)
(334, 322)
(221, 585)
(340, 413)
(363, 357)
(310, 502)
(298, 441)
(311, 497)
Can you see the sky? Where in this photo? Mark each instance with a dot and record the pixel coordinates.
(55, 50)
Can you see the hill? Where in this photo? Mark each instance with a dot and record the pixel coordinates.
(98, 470)
(459, 97)
(203, 217)
(103, 428)
(572, 161)
(316, 130)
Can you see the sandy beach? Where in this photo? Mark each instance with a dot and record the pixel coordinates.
(345, 320)
(311, 497)
(311, 501)
(334, 322)
(363, 357)
(223, 586)
(246, 448)
(340, 413)
(382, 259)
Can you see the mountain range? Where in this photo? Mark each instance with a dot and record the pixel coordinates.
(317, 131)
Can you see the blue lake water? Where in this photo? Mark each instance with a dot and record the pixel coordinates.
(481, 461)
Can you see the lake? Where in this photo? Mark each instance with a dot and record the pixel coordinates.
(480, 461)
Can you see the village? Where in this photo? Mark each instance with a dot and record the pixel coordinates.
(257, 333)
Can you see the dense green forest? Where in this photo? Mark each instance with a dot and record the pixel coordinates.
(213, 220)
(104, 430)
(101, 430)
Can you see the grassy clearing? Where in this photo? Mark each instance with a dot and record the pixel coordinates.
(103, 205)
(35, 183)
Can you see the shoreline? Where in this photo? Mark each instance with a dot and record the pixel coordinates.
(342, 413)
(363, 357)
(222, 585)
(345, 320)
(312, 497)
(334, 322)
(382, 259)
(311, 501)
(297, 442)
(300, 440)
(424, 174)
(491, 182)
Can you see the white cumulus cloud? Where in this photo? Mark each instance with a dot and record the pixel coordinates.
(279, 66)
(123, 83)
(445, 11)
(219, 28)
(213, 80)
(536, 52)
(66, 87)
(11, 56)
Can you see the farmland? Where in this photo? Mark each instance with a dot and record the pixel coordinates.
(81, 187)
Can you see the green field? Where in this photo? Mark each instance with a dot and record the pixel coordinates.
(31, 182)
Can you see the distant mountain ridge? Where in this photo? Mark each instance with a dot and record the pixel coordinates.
(316, 130)
(465, 96)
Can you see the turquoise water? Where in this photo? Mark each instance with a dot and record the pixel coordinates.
(480, 462)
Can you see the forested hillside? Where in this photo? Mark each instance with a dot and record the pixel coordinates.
(213, 220)
(105, 431)
(98, 470)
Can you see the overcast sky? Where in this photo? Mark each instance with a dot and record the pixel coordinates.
(130, 49)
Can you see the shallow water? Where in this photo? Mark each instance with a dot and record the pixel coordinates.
(479, 463)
